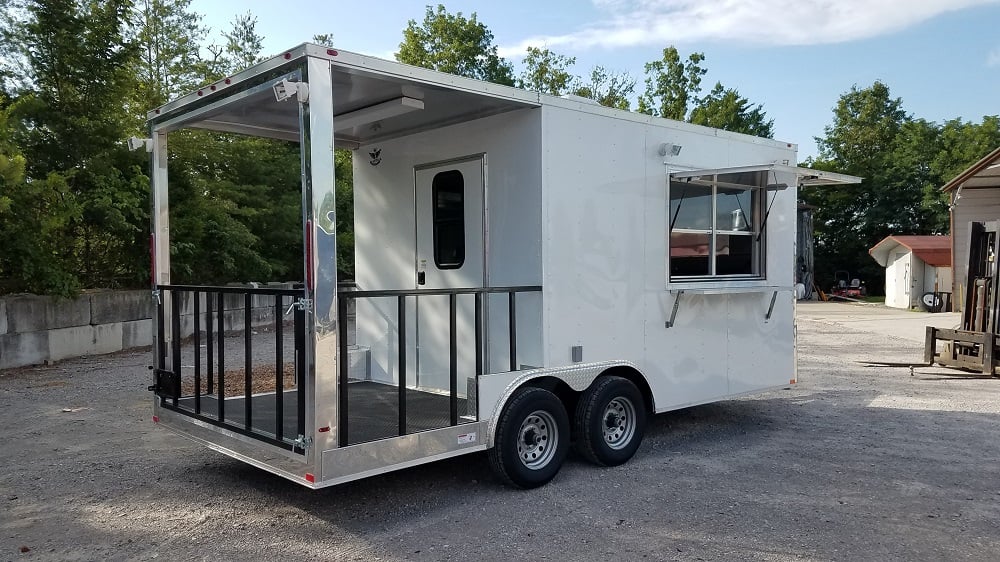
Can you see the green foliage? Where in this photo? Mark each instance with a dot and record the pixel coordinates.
(168, 66)
(69, 128)
(904, 162)
(672, 85)
(325, 39)
(610, 89)
(865, 124)
(546, 72)
(456, 45)
(725, 108)
(241, 48)
(235, 209)
(344, 172)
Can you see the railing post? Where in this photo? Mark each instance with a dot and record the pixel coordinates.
(512, 320)
(161, 333)
(401, 347)
(279, 366)
(248, 360)
(479, 335)
(300, 370)
(197, 352)
(175, 343)
(209, 344)
(344, 370)
(221, 319)
(453, 356)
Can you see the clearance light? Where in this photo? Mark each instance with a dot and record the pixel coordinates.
(310, 478)
(156, 419)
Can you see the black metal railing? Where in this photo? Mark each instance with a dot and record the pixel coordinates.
(208, 402)
(345, 298)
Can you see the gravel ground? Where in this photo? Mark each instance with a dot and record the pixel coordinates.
(852, 463)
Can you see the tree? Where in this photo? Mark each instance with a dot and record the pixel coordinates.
(610, 89)
(850, 219)
(546, 72)
(69, 126)
(243, 43)
(325, 39)
(672, 85)
(240, 48)
(725, 108)
(168, 33)
(865, 124)
(454, 44)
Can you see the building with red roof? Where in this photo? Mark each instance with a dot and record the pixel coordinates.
(914, 266)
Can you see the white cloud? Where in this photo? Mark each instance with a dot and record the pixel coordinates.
(629, 23)
(993, 59)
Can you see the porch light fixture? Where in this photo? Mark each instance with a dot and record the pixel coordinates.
(671, 149)
(377, 112)
(286, 89)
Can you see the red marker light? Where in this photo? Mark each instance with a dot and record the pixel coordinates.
(200, 93)
(310, 478)
(212, 87)
(332, 52)
(228, 81)
(156, 419)
(323, 429)
(288, 56)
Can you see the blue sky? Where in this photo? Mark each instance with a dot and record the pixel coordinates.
(796, 57)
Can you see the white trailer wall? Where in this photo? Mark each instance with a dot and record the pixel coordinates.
(605, 233)
(385, 229)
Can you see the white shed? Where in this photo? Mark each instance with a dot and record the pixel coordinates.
(914, 266)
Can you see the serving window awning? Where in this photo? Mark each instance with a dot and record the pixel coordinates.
(751, 177)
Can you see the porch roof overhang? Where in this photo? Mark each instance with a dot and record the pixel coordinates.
(373, 99)
(748, 177)
(983, 174)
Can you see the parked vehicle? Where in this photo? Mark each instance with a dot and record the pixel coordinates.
(532, 272)
(846, 286)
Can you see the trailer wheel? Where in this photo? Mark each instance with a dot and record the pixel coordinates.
(610, 421)
(532, 438)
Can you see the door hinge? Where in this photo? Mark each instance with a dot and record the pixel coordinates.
(156, 296)
(302, 442)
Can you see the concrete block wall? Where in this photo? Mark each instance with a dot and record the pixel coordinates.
(36, 329)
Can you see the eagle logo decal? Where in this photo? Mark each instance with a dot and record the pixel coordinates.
(376, 155)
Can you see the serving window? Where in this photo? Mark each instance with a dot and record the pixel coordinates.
(716, 226)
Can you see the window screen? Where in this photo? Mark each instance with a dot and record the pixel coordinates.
(448, 193)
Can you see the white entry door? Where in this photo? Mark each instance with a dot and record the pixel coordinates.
(450, 254)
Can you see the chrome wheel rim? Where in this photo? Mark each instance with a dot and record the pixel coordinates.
(619, 422)
(537, 439)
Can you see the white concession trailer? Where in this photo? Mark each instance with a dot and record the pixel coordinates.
(531, 273)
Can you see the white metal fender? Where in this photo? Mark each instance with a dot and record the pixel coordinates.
(497, 389)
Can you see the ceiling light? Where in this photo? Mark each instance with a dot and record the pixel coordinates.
(377, 112)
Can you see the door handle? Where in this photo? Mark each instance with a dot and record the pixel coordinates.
(421, 278)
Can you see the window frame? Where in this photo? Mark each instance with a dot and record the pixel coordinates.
(756, 222)
(437, 221)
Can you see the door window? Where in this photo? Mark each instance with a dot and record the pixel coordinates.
(448, 193)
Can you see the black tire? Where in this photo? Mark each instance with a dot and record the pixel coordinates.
(532, 438)
(931, 301)
(610, 421)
